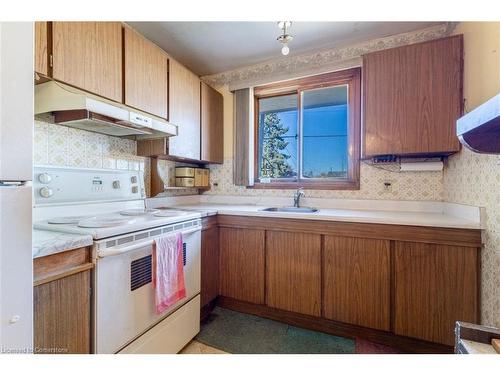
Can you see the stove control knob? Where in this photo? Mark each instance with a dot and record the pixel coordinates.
(133, 179)
(46, 192)
(44, 178)
(116, 184)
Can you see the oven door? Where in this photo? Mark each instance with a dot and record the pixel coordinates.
(124, 295)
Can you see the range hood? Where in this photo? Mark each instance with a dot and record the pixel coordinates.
(78, 109)
(479, 129)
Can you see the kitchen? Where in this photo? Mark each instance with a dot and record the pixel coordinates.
(289, 197)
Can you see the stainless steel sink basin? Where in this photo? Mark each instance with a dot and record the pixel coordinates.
(304, 210)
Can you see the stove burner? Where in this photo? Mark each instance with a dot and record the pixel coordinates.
(138, 212)
(68, 219)
(168, 213)
(104, 222)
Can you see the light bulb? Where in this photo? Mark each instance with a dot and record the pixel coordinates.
(285, 50)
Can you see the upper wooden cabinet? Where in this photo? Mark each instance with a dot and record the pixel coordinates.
(41, 48)
(88, 55)
(412, 98)
(184, 106)
(146, 74)
(212, 126)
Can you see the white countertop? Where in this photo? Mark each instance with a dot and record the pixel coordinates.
(429, 214)
(48, 242)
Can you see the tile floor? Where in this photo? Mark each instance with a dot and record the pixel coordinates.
(196, 347)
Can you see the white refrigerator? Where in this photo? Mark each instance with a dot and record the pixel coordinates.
(16, 165)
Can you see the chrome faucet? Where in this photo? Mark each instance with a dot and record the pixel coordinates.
(297, 195)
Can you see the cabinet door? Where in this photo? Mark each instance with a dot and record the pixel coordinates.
(241, 264)
(146, 75)
(88, 55)
(293, 272)
(41, 53)
(356, 274)
(209, 264)
(62, 314)
(184, 111)
(435, 285)
(412, 98)
(212, 126)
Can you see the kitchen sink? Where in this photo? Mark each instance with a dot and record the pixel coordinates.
(304, 210)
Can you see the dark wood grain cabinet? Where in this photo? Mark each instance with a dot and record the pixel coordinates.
(412, 98)
(434, 286)
(41, 48)
(62, 302)
(242, 264)
(88, 55)
(212, 125)
(395, 284)
(209, 260)
(145, 74)
(357, 285)
(293, 272)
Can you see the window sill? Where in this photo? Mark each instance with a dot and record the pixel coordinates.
(309, 185)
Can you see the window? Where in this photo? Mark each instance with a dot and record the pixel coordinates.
(307, 132)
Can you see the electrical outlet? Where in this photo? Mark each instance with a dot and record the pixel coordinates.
(387, 186)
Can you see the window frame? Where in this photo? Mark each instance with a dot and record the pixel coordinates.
(351, 78)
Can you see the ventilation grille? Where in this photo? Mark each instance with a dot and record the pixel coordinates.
(140, 272)
(184, 253)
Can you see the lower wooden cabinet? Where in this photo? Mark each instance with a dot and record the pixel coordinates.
(209, 262)
(357, 284)
(293, 272)
(62, 315)
(435, 285)
(241, 264)
(400, 284)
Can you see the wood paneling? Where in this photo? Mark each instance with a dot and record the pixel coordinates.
(435, 285)
(241, 264)
(88, 55)
(212, 125)
(356, 287)
(184, 111)
(52, 266)
(209, 264)
(152, 147)
(62, 315)
(293, 272)
(146, 74)
(412, 98)
(448, 236)
(405, 344)
(41, 48)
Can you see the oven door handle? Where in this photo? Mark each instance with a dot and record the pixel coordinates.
(135, 246)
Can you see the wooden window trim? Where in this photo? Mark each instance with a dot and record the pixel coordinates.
(350, 77)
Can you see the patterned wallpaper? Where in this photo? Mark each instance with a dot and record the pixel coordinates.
(68, 147)
(474, 179)
(404, 185)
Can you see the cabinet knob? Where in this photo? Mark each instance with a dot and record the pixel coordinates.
(44, 178)
(46, 192)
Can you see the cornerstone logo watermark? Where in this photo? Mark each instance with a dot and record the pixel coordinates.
(35, 350)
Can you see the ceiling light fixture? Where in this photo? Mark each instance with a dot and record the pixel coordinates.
(284, 38)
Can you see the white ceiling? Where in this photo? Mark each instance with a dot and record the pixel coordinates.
(215, 47)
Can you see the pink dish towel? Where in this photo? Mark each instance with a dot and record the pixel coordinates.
(168, 271)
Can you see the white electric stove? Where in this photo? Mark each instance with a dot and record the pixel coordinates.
(110, 206)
